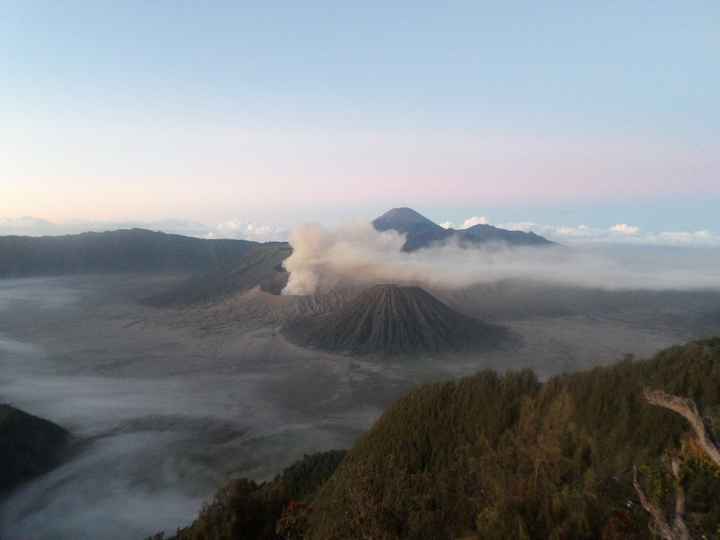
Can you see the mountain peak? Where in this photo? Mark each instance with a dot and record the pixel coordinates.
(404, 211)
(403, 220)
(395, 319)
(420, 232)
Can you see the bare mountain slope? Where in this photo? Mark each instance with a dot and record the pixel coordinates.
(260, 267)
(394, 320)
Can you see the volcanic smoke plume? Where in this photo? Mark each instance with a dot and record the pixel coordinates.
(358, 254)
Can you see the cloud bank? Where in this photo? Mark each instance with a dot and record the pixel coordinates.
(619, 233)
(245, 230)
(322, 258)
(469, 222)
(625, 229)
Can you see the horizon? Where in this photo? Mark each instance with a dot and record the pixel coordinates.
(331, 270)
(578, 122)
(617, 234)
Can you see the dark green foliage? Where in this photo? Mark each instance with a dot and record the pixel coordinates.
(240, 511)
(29, 446)
(302, 479)
(293, 522)
(495, 457)
(504, 457)
(245, 510)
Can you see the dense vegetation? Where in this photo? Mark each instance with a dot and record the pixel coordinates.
(501, 456)
(246, 509)
(29, 446)
(495, 456)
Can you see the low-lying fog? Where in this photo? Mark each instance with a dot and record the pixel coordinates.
(166, 405)
(162, 417)
(322, 257)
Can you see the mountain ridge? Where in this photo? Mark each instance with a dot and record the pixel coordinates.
(123, 250)
(422, 232)
(495, 456)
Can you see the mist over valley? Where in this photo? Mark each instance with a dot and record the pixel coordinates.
(171, 382)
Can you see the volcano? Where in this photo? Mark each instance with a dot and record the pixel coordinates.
(420, 232)
(392, 319)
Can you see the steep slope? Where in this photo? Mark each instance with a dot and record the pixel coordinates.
(134, 250)
(260, 266)
(392, 319)
(421, 232)
(29, 446)
(503, 456)
(493, 457)
(245, 509)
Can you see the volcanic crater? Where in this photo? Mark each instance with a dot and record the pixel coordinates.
(394, 319)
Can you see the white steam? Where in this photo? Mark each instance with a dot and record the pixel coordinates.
(322, 258)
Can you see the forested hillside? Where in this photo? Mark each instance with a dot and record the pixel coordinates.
(494, 456)
(504, 456)
(247, 509)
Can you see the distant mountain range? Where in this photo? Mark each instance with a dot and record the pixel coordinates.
(130, 250)
(421, 232)
(231, 265)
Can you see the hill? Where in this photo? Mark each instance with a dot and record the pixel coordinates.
(421, 232)
(503, 456)
(390, 319)
(261, 265)
(29, 446)
(246, 509)
(131, 250)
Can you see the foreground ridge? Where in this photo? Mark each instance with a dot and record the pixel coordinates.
(496, 456)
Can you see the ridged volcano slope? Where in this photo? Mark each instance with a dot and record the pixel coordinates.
(394, 320)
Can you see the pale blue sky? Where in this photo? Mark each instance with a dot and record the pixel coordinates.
(596, 112)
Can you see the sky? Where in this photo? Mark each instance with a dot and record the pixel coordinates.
(232, 117)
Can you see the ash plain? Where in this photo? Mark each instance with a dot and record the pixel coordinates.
(166, 404)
